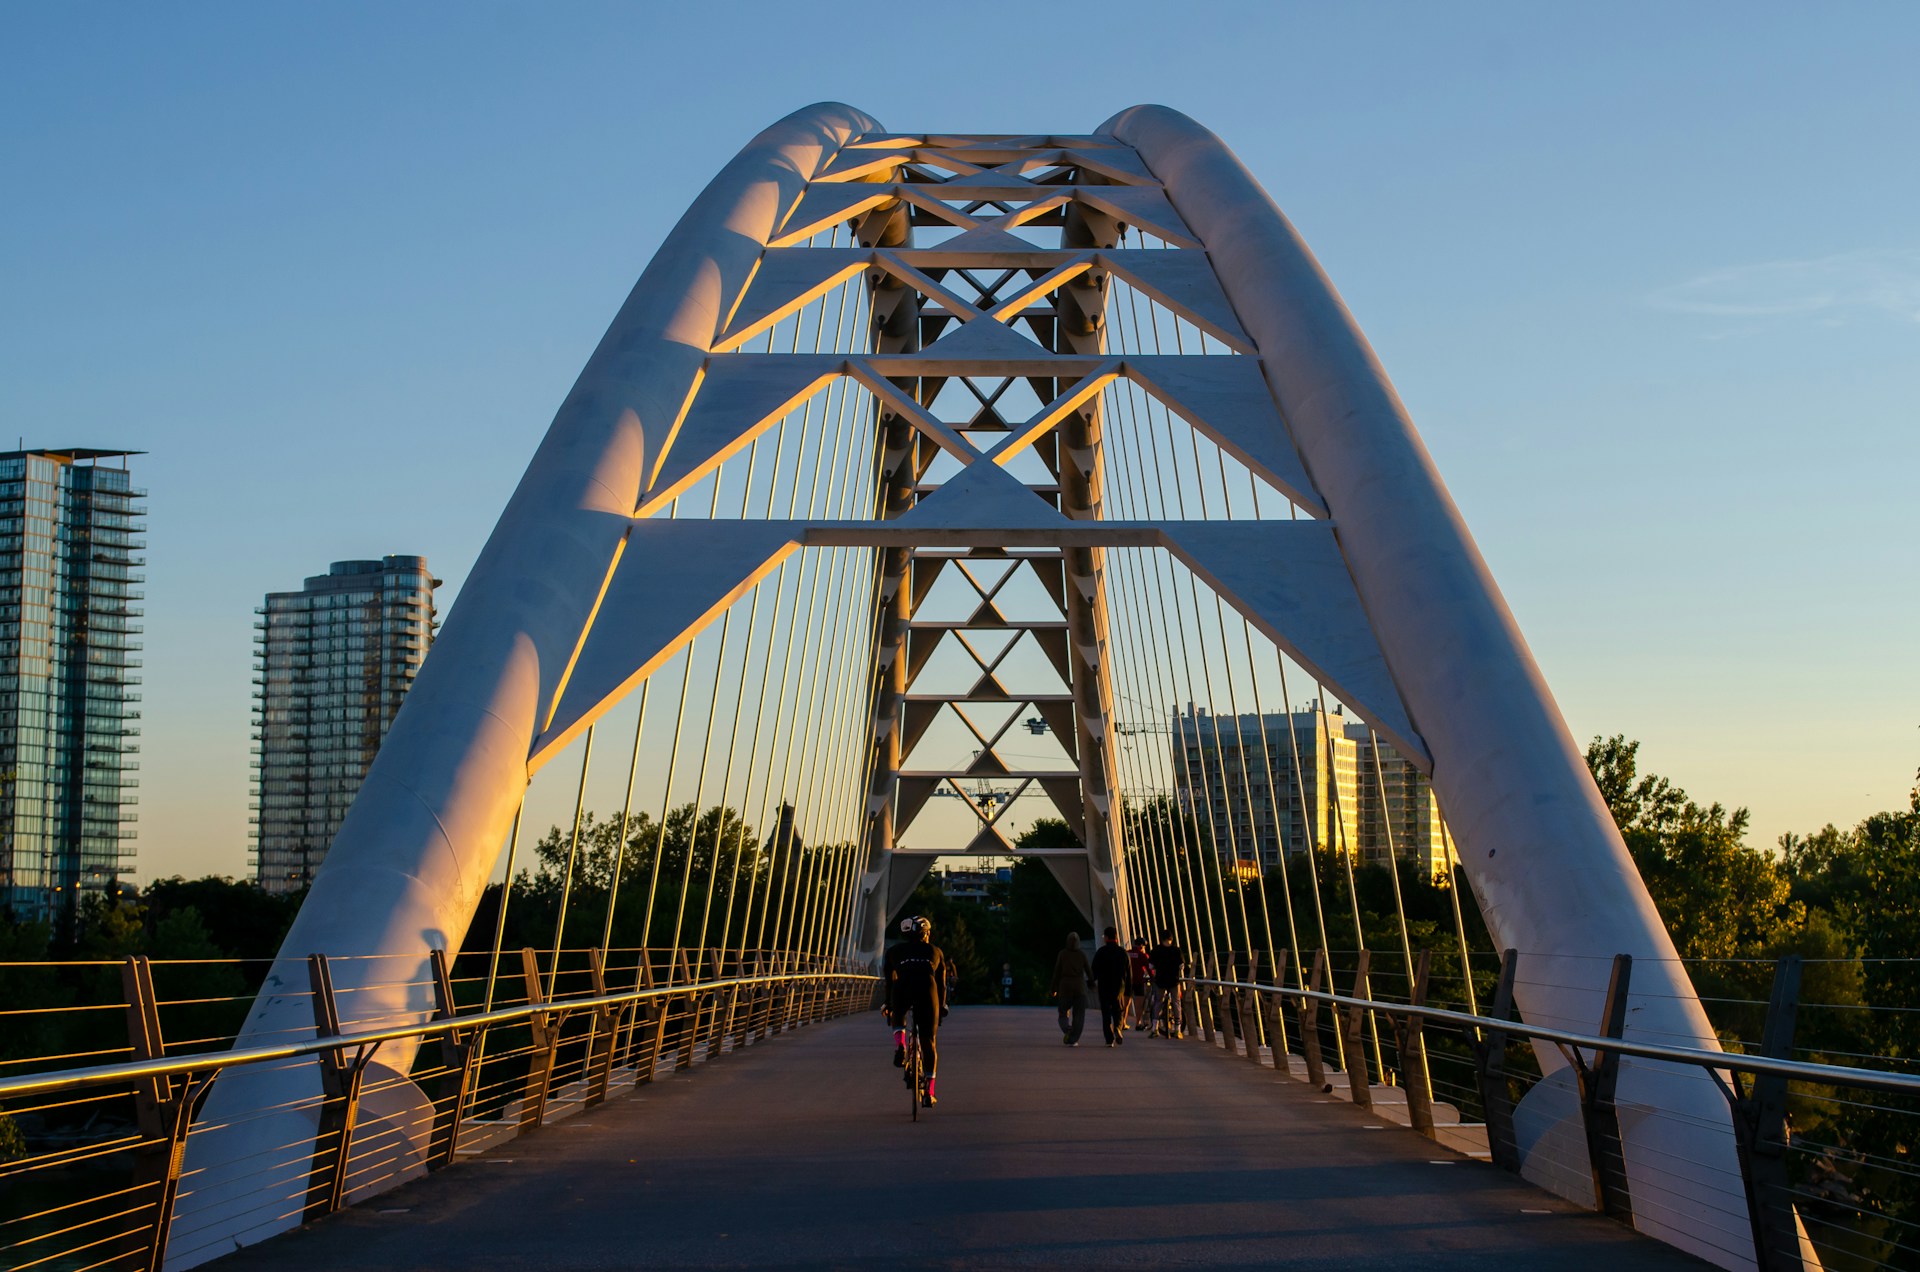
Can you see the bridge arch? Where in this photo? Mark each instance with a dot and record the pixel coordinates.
(987, 265)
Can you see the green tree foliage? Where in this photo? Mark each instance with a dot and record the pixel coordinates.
(211, 941)
(240, 920)
(13, 1145)
(1720, 898)
(1867, 881)
(1846, 901)
(28, 987)
(711, 873)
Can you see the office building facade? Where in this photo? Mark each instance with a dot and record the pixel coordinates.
(333, 662)
(1261, 788)
(70, 559)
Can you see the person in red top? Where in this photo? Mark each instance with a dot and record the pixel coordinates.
(1139, 968)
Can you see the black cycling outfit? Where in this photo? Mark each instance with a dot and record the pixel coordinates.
(916, 977)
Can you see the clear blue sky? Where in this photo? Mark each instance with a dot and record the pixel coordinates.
(1647, 275)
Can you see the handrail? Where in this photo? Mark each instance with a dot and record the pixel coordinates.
(1796, 1070)
(215, 1061)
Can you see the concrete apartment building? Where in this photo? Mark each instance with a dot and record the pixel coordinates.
(1237, 777)
(333, 661)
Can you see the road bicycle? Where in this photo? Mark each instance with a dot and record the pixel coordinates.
(916, 1062)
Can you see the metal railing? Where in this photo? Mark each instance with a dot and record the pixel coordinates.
(93, 1159)
(1762, 1090)
(92, 1153)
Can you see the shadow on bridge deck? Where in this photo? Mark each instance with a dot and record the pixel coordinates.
(800, 1152)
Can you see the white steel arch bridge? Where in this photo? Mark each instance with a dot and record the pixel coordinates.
(901, 442)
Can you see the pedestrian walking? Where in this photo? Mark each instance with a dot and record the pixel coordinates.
(1139, 972)
(1069, 987)
(1169, 964)
(1110, 980)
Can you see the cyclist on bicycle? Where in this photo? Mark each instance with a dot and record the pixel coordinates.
(915, 974)
(1169, 963)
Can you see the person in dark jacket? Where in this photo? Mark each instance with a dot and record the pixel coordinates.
(1110, 974)
(1169, 963)
(915, 975)
(1069, 989)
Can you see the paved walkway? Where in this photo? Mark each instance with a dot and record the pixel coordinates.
(800, 1153)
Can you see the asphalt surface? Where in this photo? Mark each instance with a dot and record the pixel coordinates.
(799, 1152)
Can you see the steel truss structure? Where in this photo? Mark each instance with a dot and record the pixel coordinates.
(1098, 375)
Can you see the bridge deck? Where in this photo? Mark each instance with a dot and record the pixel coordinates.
(801, 1152)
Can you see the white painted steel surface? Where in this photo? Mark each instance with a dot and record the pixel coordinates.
(1553, 877)
(408, 867)
(1547, 863)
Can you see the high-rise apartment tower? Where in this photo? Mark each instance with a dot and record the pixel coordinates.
(1260, 787)
(70, 543)
(332, 663)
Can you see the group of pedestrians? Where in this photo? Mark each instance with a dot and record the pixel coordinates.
(1136, 987)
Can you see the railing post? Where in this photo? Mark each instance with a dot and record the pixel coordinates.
(1598, 1079)
(1359, 1080)
(340, 1084)
(1761, 1132)
(793, 996)
(744, 1012)
(698, 1005)
(629, 1018)
(730, 1024)
(545, 1028)
(1223, 1002)
(1310, 1027)
(1412, 1046)
(685, 1024)
(600, 1046)
(1276, 1016)
(647, 1013)
(150, 1095)
(143, 1037)
(1490, 1067)
(662, 1019)
(1216, 1003)
(1250, 1009)
(764, 1010)
(714, 1034)
(665, 1022)
(165, 1109)
(770, 1009)
(1202, 1000)
(761, 1005)
(458, 1054)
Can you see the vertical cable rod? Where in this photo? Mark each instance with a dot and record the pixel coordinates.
(506, 894)
(573, 855)
(841, 488)
(778, 868)
(1209, 868)
(1179, 857)
(1186, 828)
(1146, 820)
(626, 816)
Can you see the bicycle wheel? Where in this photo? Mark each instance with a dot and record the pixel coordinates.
(914, 1077)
